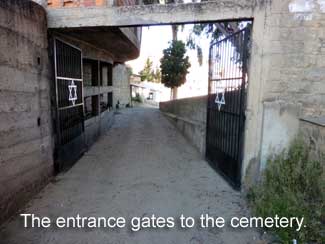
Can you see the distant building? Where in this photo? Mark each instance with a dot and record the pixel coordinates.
(148, 91)
(135, 79)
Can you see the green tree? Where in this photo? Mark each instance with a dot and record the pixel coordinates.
(157, 75)
(174, 66)
(147, 73)
(215, 32)
(129, 70)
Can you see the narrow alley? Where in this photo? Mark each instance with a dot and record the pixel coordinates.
(141, 166)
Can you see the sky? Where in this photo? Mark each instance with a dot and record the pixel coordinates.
(155, 39)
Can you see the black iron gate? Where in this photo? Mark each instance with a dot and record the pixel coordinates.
(228, 82)
(69, 131)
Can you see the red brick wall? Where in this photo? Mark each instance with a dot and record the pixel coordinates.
(75, 3)
(124, 2)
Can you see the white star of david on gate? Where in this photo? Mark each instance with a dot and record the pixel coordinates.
(221, 101)
(72, 93)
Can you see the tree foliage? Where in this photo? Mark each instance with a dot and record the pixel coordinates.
(174, 65)
(150, 74)
(215, 32)
(157, 75)
(147, 73)
(129, 70)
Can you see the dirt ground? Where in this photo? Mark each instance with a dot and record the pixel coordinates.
(141, 166)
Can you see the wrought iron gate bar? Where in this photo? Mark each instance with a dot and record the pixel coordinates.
(224, 112)
(230, 36)
(235, 78)
(69, 143)
(68, 60)
(226, 104)
(66, 78)
(77, 104)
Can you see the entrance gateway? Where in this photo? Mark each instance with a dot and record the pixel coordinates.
(228, 80)
(69, 121)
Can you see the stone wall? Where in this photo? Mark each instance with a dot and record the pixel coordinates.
(293, 71)
(189, 116)
(121, 85)
(74, 3)
(313, 132)
(96, 125)
(25, 115)
(84, 3)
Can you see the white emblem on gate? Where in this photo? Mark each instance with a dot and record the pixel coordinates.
(72, 93)
(220, 100)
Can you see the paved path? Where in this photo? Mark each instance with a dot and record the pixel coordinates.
(142, 166)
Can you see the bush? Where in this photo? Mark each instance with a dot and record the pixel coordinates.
(293, 185)
(137, 98)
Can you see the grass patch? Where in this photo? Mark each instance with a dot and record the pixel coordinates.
(293, 185)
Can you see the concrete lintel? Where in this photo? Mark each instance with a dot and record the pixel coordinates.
(143, 15)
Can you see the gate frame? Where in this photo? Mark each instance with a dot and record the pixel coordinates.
(257, 63)
(58, 166)
(243, 102)
(205, 12)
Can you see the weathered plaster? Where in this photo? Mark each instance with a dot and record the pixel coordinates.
(321, 4)
(280, 126)
(302, 9)
(305, 9)
(312, 131)
(26, 146)
(301, 6)
(150, 14)
(189, 115)
(121, 85)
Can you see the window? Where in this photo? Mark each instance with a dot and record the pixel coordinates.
(103, 102)
(106, 74)
(91, 106)
(110, 99)
(90, 72)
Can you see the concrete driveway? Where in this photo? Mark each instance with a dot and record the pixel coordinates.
(142, 166)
